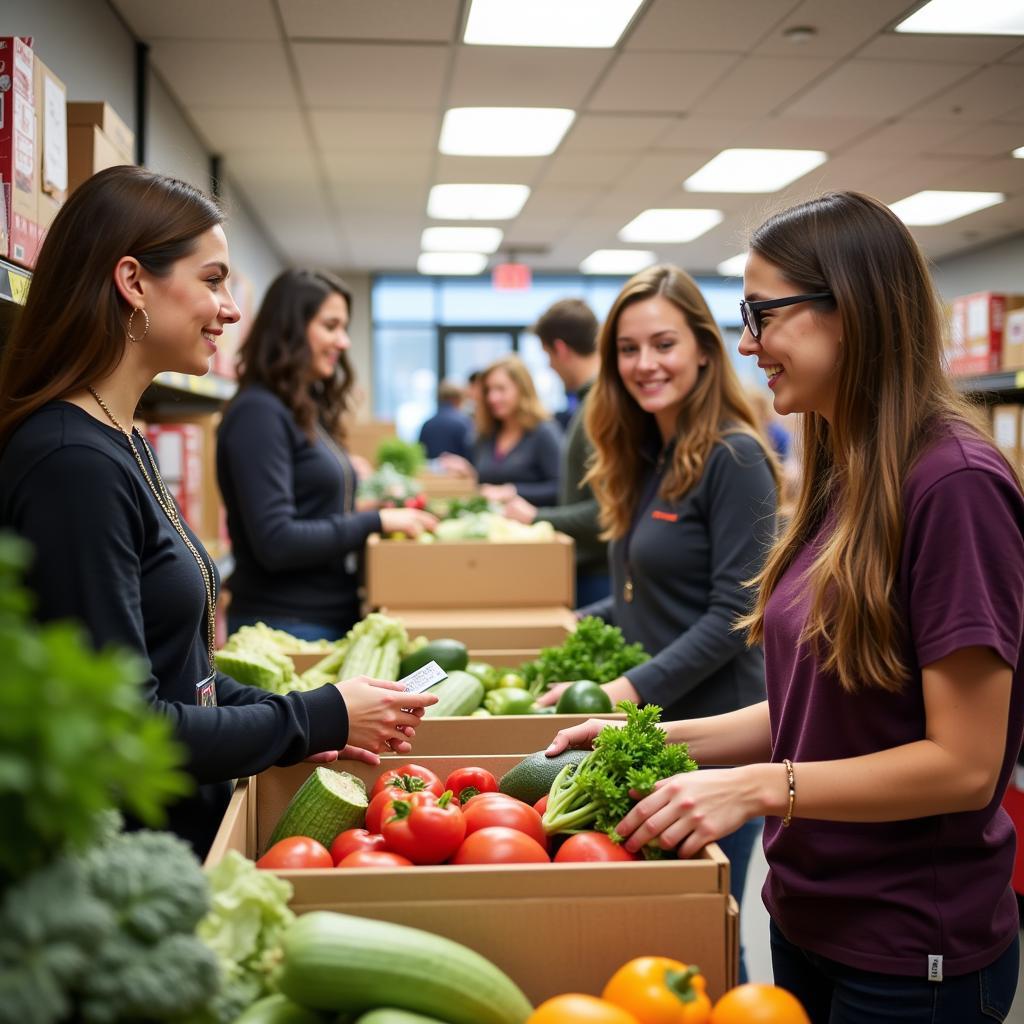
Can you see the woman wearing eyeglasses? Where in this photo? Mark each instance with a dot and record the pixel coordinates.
(891, 613)
(687, 495)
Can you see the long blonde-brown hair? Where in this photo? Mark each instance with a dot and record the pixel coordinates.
(893, 398)
(620, 429)
(529, 412)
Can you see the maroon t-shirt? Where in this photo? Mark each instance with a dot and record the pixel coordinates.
(887, 896)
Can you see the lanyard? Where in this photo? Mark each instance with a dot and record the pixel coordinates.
(650, 490)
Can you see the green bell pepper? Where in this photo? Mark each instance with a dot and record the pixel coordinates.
(509, 701)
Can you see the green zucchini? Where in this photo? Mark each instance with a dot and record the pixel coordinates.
(327, 803)
(338, 962)
(459, 694)
(389, 1015)
(278, 1009)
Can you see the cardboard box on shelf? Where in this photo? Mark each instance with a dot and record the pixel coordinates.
(90, 149)
(51, 176)
(19, 141)
(362, 437)
(1013, 340)
(470, 574)
(1006, 429)
(485, 630)
(439, 485)
(602, 914)
(103, 116)
(497, 735)
(977, 332)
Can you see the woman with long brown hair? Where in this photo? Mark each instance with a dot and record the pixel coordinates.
(517, 448)
(687, 494)
(288, 484)
(892, 614)
(131, 282)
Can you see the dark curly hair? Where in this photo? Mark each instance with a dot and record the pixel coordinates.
(276, 353)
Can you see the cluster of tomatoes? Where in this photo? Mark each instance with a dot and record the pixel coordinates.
(415, 818)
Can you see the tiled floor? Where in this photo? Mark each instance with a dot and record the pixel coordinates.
(754, 928)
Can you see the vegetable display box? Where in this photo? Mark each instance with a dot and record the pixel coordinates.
(499, 734)
(438, 485)
(470, 574)
(490, 633)
(552, 927)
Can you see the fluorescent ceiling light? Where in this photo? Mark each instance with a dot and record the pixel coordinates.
(617, 261)
(590, 23)
(754, 170)
(476, 202)
(503, 131)
(461, 239)
(670, 225)
(932, 207)
(978, 18)
(733, 266)
(1019, 153)
(451, 262)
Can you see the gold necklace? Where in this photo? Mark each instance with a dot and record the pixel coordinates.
(166, 502)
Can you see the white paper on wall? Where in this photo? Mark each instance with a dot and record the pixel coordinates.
(55, 138)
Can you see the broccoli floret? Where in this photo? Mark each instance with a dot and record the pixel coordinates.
(152, 881)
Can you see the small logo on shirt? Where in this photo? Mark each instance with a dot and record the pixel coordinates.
(667, 517)
(934, 968)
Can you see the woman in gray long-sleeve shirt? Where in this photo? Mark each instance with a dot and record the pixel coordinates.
(687, 489)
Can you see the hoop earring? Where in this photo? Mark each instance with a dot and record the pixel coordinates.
(128, 326)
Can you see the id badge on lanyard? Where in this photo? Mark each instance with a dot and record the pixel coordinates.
(206, 692)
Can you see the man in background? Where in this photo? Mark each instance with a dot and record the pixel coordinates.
(568, 334)
(449, 429)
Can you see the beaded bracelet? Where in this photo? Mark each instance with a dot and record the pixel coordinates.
(791, 779)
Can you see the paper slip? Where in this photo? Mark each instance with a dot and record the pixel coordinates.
(423, 678)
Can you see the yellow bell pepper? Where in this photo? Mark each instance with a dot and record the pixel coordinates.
(659, 990)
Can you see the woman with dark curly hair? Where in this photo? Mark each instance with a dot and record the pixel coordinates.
(288, 484)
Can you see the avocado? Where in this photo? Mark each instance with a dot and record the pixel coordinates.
(451, 655)
(532, 777)
(584, 698)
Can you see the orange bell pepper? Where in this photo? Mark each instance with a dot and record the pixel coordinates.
(658, 990)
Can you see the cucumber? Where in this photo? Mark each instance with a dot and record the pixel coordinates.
(327, 803)
(459, 694)
(278, 1009)
(338, 962)
(532, 777)
(389, 1015)
(451, 655)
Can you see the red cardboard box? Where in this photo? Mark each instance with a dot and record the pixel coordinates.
(179, 451)
(19, 148)
(977, 336)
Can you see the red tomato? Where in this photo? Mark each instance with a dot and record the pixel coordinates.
(425, 832)
(375, 859)
(377, 813)
(471, 782)
(498, 845)
(354, 839)
(295, 852)
(592, 846)
(490, 809)
(541, 805)
(405, 778)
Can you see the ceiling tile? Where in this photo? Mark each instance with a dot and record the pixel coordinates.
(727, 25)
(229, 129)
(827, 133)
(200, 19)
(360, 197)
(996, 139)
(895, 179)
(1003, 174)
(983, 97)
(879, 88)
(495, 170)
(1015, 116)
(1017, 57)
(523, 76)
(945, 48)
(397, 170)
(906, 137)
(759, 85)
(225, 74)
(613, 133)
(369, 76)
(420, 20)
(567, 169)
(664, 170)
(658, 81)
(275, 169)
(697, 131)
(375, 131)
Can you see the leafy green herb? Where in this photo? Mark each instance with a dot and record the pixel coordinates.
(407, 457)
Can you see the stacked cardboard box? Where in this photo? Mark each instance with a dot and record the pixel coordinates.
(97, 139)
(19, 149)
(978, 326)
(1013, 340)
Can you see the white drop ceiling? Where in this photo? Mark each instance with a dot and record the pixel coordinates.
(326, 113)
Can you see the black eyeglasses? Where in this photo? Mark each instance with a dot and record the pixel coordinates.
(751, 311)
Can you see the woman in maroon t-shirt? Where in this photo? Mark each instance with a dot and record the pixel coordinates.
(891, 613)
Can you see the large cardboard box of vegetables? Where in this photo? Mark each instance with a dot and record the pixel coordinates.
(553, 927)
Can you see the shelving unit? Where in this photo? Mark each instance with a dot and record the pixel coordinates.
(14, 281)
(1006, 386)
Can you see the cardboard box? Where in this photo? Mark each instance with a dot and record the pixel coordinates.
(19, 142)
(52, 151)
(90, 150)
(485, 630)
(977, 333)
(470, 574)
(438, 485)
(103, 116)
(363, 437)
(1007, 431)
(553, 928)
(1013, 340)
(500, 734)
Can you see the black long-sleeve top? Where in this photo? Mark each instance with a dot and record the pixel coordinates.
(107, 556)
(295, 542)
(688, 560)
(532, 465)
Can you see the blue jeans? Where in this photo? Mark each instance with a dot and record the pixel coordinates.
(833, 993)
(592, 587)
(299, 628)
(737, 846)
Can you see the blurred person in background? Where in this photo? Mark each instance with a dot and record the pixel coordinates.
(474, 394)
(449, 429)
(517, 446)
(289, 486)
(568, 334)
